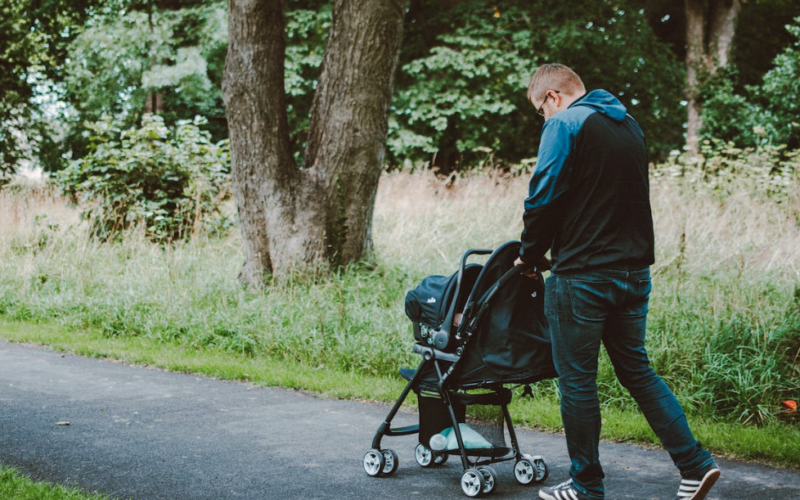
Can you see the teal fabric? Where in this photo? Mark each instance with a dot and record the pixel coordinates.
(472, 439)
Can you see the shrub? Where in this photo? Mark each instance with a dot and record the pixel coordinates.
(172, 182)
(767, 113)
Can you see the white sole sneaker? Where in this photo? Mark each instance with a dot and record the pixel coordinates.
(697, 490)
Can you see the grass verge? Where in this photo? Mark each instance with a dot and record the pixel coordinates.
(16, 486)
(775, 443)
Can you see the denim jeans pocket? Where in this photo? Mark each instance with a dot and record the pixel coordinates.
(637, 305)
(590, 299)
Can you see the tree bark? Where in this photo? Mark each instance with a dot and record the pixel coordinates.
(695, 60)
(710, 27)
(154, 102)
(349, 120)
(721, 28)
(296, 218)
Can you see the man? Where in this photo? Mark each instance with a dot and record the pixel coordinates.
(589, 204)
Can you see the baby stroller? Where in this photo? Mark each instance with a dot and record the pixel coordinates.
(477, 331)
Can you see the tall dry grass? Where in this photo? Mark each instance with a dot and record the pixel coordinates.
(26, 204)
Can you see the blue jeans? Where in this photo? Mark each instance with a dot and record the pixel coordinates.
(610, 306)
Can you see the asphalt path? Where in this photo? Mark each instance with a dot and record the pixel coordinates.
(143, 433)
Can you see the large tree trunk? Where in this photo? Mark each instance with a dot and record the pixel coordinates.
(294, 218)
(349, 119)
(710, 27)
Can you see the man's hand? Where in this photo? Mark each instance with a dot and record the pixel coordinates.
(530, 271)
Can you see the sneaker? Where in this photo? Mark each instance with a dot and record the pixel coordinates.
(564, 491)
(697, 487)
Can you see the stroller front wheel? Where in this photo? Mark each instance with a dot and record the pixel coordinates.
(524, 471)
(424, 455)
(374, 463)
(472, 483)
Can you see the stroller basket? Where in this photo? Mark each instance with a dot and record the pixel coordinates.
(477, 330)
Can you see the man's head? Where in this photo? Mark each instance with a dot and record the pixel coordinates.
(553, 88)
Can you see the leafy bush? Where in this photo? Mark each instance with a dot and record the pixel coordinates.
(126, 57)
(461, 88)
(781, 88)
(171, 181)
(767, 113)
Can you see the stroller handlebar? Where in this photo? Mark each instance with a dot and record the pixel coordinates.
(431, 353)
(452, 311)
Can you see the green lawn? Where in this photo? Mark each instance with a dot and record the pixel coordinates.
(16, 486)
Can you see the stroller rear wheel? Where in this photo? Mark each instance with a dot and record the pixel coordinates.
(489, 479)
(391, 462)
(426, 457)
(374, 463)
(472, 483)
(541, 468)
(530, 469)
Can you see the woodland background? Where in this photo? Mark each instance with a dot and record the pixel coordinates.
(129, 247)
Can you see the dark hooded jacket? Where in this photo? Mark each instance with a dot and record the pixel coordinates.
(589, 198)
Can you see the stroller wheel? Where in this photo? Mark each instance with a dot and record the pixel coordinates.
(540, 466)
(489, 479)
(439, 458)
(374, 463)
(472, 483)
(424, 456)
(391, 462)
(524, 471)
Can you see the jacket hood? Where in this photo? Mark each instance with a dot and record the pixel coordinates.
(602, 102)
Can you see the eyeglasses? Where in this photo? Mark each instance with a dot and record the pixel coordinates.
(540, 111)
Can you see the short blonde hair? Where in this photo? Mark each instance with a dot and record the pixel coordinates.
(553, 77)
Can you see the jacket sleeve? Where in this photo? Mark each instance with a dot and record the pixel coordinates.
(549, 182)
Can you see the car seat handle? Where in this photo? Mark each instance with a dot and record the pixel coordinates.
(451, 311)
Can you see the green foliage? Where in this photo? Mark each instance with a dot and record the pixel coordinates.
(781, 88)
(727, 115)
(461, 91)
(613, 46)
(762, 114)
(125, 57)
(32, 50)
(464, 95)
(171, 181)
(760, 37)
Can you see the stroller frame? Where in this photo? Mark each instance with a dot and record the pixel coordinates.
(478, 478)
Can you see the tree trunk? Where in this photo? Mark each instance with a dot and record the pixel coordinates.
(295, 218)
(695, 61)
(710, 27)
(154, 102)
(721, 28)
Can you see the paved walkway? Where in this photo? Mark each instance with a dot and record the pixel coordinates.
(148, 434)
